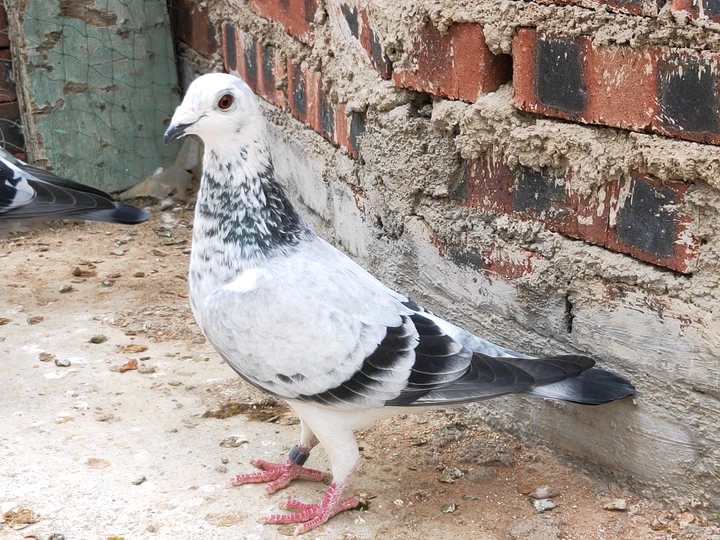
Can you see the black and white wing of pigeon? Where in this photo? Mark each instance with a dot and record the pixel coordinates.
(297, 318)
(30, 193)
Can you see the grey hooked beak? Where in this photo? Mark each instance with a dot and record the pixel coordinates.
(174, 131)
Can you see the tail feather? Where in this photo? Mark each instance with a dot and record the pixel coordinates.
(569, 378)
(592, 387)
(122, 213)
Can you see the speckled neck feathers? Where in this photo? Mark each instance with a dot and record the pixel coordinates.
(242, 217)
(242, 206)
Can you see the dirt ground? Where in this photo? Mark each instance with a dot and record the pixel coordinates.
(118, 421)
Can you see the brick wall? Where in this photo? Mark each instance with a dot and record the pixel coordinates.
(546, 173)
(11, 137)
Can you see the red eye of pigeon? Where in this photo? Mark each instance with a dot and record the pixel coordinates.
(225, 102)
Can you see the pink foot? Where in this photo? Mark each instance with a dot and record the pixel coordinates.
(278, 475)
(313, 515)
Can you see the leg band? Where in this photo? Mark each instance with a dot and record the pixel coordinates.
(297, 456)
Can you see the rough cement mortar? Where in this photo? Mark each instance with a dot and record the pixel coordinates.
(393, 209)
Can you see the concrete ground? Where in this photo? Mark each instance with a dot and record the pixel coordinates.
(137, 435)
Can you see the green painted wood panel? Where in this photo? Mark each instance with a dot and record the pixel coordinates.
(99, 79)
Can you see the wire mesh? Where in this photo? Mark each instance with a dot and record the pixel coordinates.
(97, 81)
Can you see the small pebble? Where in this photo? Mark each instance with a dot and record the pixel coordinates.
(448, 508)
(449, 476)
(65, 288)
(130, 365)
(98, 338)
(617, 505)
(134, 348)
(139, 274)
(221, 469)
(543, 505)
(35, 319)
(543, 492)
(46, 357)
(224, 461)
(118, 252)
(107, 283)
(233, 441)
(139, 481)
(4, 320)
(20, 516)
(79, 272)
(685, 519)
(62, 362)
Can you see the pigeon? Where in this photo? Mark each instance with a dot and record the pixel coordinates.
(302, 321)
(30, 193)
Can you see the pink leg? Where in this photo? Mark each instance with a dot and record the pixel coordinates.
(313, 515)
(279, 475)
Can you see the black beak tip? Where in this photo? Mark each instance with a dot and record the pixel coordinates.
(174, 132)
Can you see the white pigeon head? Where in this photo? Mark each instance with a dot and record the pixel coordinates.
(219, 108)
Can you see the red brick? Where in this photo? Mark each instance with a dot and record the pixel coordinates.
(229, 49)
(295, 16)
(642, 216)
(4, 26)
(297, 91)
(702, 11)
(358, 25)
(193, 27)
(342, 129)
(348, 129)
(7, 84)
(621, 86)
(523, 80)
(272, 71)
(486, 184)
(370, 41)
(260, 66)
(355, 131)
(688, 96)
(549, 74)
(662, 90)
(589, 214)
(507, 262)
(328, 118)
(313, 87)
(457, 65)
(650, 223)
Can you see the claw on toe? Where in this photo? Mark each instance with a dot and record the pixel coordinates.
(310, 516)
(277, 475)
